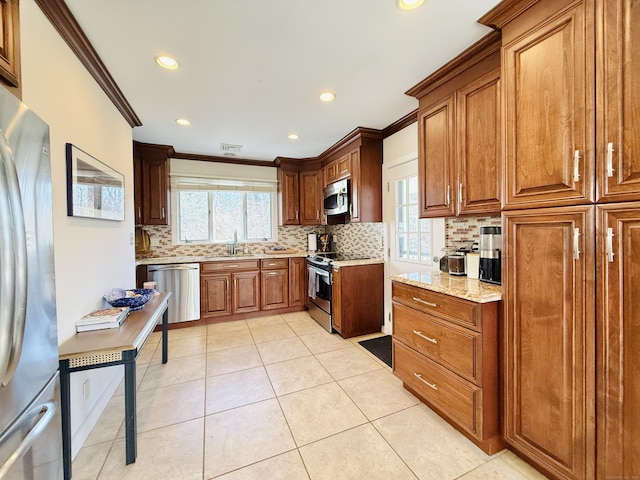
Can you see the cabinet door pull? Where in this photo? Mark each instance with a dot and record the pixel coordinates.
(271, 264)
(610, 151)
(317, 214)
(448, 195)
(139, 212)
(576, 166)
(296, 215)
(422, 335)
(460, 194)
(272, 273)
(162, 212)
(610, 245)
(419, 300)
(576, 244)
(419, 377)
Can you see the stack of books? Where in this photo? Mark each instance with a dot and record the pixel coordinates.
(103, 319)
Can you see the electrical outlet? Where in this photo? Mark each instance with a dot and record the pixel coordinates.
(86, 392)
(155, 242)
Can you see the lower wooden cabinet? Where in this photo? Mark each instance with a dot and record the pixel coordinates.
(298, 279)
(357, 299)
(215, 295)
(229, 287)
(274, 283)
(450, 360)
(549, 338)
(618, 341)
(234, 289)
(245, 292)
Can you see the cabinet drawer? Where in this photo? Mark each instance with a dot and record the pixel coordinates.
(229, 266)
(459, 400)
(459, 311)
(456, 348)
(274, 263)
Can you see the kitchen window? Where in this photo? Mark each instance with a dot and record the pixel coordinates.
(215, 210)
(413, 234)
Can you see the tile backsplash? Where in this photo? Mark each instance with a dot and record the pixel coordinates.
(467, 228)
(352, 239)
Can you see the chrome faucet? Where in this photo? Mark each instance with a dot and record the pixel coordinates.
(235, 242)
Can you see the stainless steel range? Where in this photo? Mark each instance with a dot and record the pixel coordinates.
(320, 271)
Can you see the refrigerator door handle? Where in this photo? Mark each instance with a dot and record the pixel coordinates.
(47, 411)
(13, 274)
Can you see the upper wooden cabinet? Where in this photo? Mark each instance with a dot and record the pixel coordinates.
(10, 45)
(337, 169)
(618, 95)
(288, 197)
(299, 193)
(547, 75)
(358, 157)
(459, 153)
(151, 183)
(310, 197)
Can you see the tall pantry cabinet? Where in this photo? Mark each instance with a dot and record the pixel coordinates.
(570, 75)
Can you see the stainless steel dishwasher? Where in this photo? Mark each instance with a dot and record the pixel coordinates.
(183, 281)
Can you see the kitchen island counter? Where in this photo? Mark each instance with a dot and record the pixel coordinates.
(456, 286)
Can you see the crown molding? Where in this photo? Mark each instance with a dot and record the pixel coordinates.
(65, 23)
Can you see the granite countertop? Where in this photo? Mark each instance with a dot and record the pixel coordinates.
(351, 263)
(456, 286)
(216, 258)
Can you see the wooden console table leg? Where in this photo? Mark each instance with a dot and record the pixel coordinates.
(129, 358)
(165, 335)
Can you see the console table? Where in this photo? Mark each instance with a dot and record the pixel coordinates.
(105, 348)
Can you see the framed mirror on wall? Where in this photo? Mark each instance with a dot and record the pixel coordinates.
(94, 190)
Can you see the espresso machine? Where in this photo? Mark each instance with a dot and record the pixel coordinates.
(490, 254)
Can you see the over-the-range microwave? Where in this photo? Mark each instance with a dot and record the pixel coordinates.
(336, 198)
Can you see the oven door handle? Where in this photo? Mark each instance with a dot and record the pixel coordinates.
(320, 273)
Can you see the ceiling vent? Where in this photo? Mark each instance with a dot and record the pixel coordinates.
(230, 149)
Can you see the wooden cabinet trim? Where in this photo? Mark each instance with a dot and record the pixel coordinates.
(67, 26)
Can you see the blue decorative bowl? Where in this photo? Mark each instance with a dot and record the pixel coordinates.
(117, 298)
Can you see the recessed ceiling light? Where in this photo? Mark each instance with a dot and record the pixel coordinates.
(293, 136)
(408, 4)
(165, 61)
(327, 96)
(183, 122)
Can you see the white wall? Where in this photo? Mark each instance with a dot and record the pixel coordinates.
(91, 256)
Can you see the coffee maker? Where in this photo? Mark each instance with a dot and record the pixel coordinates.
(490, 254)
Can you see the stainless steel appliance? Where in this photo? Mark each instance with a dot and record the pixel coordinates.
(320, 270)
(30, 424)
(491, 254)
(183, 281)
(336, 198)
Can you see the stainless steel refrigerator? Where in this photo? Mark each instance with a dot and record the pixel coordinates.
(30, 425)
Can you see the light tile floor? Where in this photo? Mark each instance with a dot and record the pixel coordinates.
(278, 397)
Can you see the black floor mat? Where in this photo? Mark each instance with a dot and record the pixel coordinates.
(380, 347)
